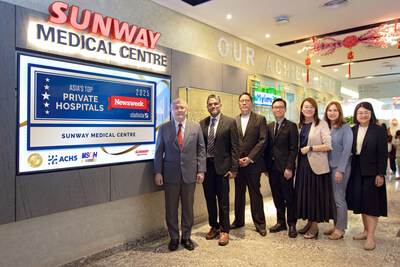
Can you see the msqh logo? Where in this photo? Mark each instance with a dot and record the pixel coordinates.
(142, 152)
(55, 159)
(89, 157)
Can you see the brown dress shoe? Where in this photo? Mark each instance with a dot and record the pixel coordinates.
(223, 239)
(212, 233)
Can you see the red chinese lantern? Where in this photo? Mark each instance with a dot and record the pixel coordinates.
(308, 62)
(349, 42)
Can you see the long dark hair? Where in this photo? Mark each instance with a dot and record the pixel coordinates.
(340, 121)
(367, 106)
(302, 118)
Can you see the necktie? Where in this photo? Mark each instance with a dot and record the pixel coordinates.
(180, 139)
(211, 139)
(276, 128)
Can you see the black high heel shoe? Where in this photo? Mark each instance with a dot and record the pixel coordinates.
(305, 229)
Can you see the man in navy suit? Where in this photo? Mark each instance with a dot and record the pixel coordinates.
(179, 163)
(280, 157)
(221, 138)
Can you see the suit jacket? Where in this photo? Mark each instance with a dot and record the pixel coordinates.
(252, 144)
(282, 148)
(373, 156)
(319, 135)
(342, 142)
(226, 144)
(172, 161)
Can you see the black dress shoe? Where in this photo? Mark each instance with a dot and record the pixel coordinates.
(173, 244)
(262, 232)
(235, 226)
(292, 231)
(188, 244)
(277, 228)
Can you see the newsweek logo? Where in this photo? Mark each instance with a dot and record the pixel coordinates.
(89, 157)
(142, 152)
(55, 159)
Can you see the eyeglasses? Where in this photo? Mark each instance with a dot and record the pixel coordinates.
(278, 107)
(366, 113)
(244, 101)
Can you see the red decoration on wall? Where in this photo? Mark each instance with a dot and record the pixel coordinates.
(382, 36)
(308, 62)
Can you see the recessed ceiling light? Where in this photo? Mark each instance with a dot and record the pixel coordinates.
(318, 60)
(298, 51)
(316, 79)
(229, 16)
(335, 70)
(347, 75)
(369, 77)
(267, 35)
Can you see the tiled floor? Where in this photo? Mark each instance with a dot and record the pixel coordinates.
(248, 248)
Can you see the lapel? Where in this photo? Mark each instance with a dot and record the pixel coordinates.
(220, 124)
(355, 132)
(187, 133)
(252, 120)
(370, 131)
(279, 130)
(205, 128)
(239, 126)
(312, 132)
(174, 134)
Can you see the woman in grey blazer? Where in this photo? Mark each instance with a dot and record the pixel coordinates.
(339, 163)
(313, 186)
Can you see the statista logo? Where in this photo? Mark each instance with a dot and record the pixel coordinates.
(55, 159)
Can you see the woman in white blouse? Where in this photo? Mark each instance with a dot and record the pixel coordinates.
(366, 190)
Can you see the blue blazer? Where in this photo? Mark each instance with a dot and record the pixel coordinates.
(342, 141)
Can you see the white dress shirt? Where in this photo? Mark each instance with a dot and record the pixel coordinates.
(244, 121)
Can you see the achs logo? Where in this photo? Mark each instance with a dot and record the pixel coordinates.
(54, 159)
(89, 156)
(142, 152)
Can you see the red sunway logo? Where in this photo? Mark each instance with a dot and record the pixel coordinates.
(95, 23)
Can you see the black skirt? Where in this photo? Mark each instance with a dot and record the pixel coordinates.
(362, 195)
(314, 195)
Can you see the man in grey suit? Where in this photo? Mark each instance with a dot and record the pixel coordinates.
(220, 135)
(179, 163)
(253, 138)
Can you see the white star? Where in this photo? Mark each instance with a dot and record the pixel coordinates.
(47, 80)
(47, 112)
(46, 105)
(46, 96)
(46, 87)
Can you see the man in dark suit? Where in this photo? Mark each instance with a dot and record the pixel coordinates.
(280, 158)
(221, 139)
(252, 130)
(179, 163)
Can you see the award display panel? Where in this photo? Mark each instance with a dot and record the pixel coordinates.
(75, 115)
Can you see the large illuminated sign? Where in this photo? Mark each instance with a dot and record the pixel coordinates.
(75, 115)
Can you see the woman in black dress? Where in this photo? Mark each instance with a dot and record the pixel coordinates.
(366, 191)
(313, 185)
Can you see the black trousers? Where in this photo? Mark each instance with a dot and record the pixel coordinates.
(216, 190)
(393, 164)
(283, 195)
(252, 181)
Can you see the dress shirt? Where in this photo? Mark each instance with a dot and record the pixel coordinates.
(244, 119)
(182, 128)
(362, 130)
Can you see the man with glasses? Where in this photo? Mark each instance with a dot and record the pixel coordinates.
(280, 157)
(252, 130)
(221, 139)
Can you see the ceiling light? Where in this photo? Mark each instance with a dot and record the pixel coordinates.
(369, 77)
(335, 70)
(316, 79)
(333, 4)
(347, 76)
(229, 16)
(298, 51)
(318, 60)
(282, 20)
(267, 35)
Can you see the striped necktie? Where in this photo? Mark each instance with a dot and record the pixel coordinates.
(211, 139)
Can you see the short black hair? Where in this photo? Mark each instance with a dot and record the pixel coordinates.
(398, 133)
(215, 97)
(279, 99)
(245, 93)
(367, 106)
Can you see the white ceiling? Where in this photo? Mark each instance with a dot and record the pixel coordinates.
(253, 19)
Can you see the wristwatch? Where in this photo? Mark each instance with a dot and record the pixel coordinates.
(310, 148)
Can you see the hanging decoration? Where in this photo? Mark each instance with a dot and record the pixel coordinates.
(381, 36)
(308, 62)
